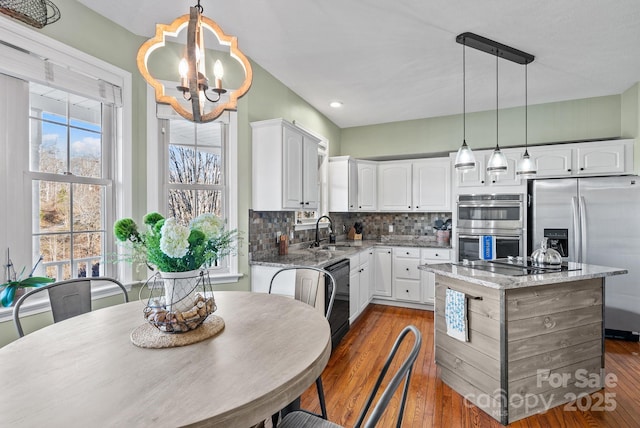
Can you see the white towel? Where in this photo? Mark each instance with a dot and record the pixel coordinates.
(455, 314)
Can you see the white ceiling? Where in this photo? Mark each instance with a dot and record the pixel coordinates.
(397, 60)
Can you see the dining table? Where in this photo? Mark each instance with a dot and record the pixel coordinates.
(85, 371)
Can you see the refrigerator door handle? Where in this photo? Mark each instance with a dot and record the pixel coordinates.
(583, 230)
(576, 230)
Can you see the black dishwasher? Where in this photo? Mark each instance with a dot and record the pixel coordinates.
(339, 317)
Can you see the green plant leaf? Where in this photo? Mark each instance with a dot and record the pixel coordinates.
(35, 281)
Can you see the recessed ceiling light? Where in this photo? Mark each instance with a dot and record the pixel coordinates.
(335, 104)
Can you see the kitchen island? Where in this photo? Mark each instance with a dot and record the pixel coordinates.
(533, 341)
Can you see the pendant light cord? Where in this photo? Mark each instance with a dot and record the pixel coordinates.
(526, 103)
(497, 127)
(464, 94)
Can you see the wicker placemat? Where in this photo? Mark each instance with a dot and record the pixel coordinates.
(148, 336)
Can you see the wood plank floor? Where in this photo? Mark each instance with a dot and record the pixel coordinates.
(355, 364)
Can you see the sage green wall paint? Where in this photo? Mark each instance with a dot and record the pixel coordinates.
(574, 120)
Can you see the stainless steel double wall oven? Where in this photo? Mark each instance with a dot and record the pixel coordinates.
(501, 216)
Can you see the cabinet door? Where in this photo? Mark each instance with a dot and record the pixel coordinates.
(602, 158)
(354, 294)
(382, 272)
(292, 190)
(367, 186)
(474, 177)
(365, 279)
(509, 178)
(353, 185)
(309, 159)
(552, 161)
(394, 186)
(432, 185)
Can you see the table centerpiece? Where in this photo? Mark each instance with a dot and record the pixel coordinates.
(180, 297)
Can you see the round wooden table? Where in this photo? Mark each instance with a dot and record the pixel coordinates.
(86, 372)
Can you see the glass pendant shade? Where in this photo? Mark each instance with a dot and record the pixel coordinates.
(497, 162)
(465, 160)
(526, 167)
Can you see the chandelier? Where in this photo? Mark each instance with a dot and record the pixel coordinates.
(205, 101)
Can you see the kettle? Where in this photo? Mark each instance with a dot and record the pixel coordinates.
(545, 256)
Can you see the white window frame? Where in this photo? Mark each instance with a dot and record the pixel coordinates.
(18, 237)
(156, 187)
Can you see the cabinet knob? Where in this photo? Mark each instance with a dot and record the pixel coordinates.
(436, 254)
(493, 181)
(581, 169)
(407, 269)
(360, 207)
(306, 203)
(407, 253)
(482, 182)
(409, 207)
(301, 203)
(569, 170)
(407, 291)
(388, 252)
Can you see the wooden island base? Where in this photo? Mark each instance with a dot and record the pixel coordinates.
(531, 347)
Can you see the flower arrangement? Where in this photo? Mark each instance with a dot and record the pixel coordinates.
(172, 247)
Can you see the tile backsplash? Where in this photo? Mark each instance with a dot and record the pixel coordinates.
(264, 225)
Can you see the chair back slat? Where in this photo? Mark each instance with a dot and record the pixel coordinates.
(70, 299)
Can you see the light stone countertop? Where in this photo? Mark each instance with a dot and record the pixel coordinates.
(503, 282)
(328, 254)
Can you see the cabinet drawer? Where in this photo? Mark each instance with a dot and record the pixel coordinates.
(406, 268)
(407, 290)
(413, 253)
(436, 254)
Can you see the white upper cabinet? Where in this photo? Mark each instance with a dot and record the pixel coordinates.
(552, 161)
(367, 197)
(612, 157)
(479, 177)
(285, 167)
(352, 184)
(432, 185)
(394, 186)
(421, 185)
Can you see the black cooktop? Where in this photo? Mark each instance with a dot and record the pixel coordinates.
(517, 266)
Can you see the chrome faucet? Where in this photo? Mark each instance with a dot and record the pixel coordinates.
(332, 238)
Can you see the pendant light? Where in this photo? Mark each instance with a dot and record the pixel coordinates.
(465, 160)
(526, 167)
(497, 164)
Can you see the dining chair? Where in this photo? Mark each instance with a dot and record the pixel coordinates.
(67, 298)
(306, 420)
(309, 286)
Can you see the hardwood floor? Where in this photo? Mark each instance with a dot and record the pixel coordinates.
(355, 364)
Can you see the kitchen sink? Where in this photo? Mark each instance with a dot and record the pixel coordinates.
(335, 246)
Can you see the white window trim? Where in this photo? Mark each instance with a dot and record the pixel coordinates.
(155, 179)
(32, 41)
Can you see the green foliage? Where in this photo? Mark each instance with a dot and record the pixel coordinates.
(205, 242)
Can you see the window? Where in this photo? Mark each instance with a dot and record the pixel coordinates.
(213, 145)
(71, 184)
(195, 162)
(310, 217)
(66, 135)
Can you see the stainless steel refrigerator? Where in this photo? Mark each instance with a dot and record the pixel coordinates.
(595, 220)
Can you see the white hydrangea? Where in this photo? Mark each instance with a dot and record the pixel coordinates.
(207, 223)
(174, 241)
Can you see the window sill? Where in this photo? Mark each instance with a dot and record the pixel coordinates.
(42, 305)
(311, 226)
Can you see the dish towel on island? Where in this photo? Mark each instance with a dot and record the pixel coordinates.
(455, 314)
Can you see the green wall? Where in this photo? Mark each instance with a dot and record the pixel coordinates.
(575, 120)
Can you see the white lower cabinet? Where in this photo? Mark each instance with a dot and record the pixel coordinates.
(428, 279)
(381, 268)
(359, 282)
(261, 277)
(406, 276)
